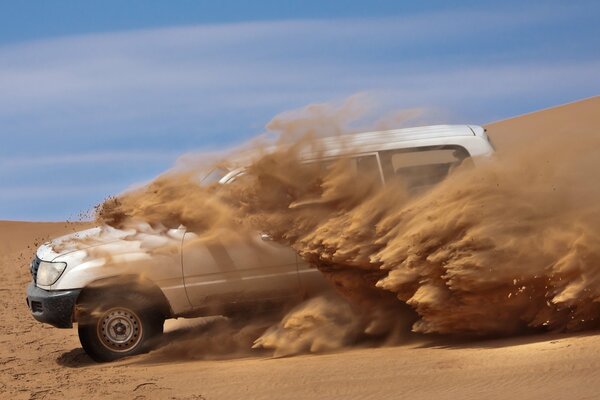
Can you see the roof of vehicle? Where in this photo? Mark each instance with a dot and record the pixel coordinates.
(398, 135)
(357, 143)
(390, 139)
(371, 141)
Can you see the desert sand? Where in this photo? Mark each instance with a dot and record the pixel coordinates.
(41, 362)
(572, 119)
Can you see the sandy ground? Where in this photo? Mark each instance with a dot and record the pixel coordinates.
(41, 362)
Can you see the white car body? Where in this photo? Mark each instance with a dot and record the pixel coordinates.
(192, 277)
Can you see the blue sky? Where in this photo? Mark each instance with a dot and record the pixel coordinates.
(98, 96)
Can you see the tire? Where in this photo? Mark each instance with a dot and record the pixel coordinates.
(120, 326)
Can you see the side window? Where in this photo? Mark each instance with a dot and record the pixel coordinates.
(419, 169)
(366, 166)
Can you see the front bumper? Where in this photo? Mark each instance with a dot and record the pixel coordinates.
(52, 307)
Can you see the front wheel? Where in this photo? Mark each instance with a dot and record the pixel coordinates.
(121, 327)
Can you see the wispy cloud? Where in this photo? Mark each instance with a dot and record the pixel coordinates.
(207, 68)
(117, 108)
(72, 159)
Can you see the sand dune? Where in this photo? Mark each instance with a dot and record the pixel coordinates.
(572, 119)
(41, 362)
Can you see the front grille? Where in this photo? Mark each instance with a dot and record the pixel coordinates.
(35, 265)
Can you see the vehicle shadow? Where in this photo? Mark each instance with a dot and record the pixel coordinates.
(75, 358)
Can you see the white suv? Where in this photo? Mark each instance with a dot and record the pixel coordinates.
(120, 293)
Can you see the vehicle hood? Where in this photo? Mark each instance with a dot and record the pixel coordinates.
(81, 240)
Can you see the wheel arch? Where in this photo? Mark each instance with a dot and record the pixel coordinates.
(128, 284)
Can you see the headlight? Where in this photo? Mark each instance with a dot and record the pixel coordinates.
(49, 272)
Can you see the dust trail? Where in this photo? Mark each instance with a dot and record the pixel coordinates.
(322, 323)
(319, 324)
(510, 245)
(211, 338)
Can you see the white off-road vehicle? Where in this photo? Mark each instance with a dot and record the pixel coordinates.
(120, 291)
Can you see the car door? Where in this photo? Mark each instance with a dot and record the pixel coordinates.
(242, 268)
(363, 166)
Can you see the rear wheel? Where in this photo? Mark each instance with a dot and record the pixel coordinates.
(121, 326)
